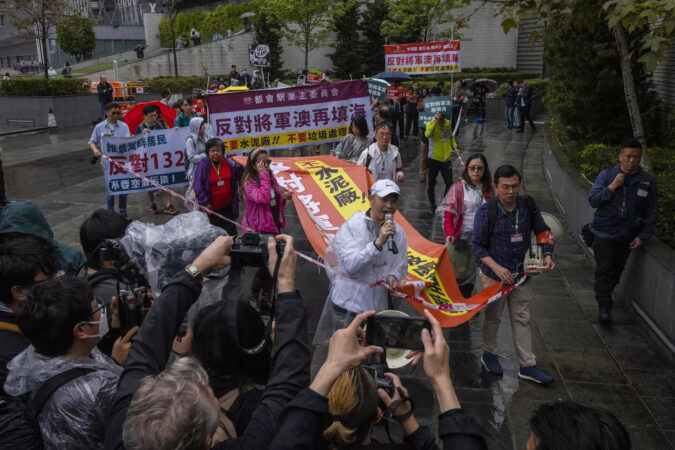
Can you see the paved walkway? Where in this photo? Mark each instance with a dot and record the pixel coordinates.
(616, 369)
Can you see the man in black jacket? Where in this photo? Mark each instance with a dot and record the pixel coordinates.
(152, 345)
(105, 94)
(524, 103)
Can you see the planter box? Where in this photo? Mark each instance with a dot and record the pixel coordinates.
(648, 282)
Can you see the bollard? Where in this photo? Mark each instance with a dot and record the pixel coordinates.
(51, 122)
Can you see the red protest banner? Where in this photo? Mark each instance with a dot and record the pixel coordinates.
(395, 93)
(314, 77)
(423, 58)
(328, 191)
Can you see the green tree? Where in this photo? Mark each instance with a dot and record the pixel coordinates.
(34, 18)
(172, 7)
(75, 35)
(267, 29)
(304, 22)
(347, 57)
(641, 32)
(418, 20)
(372, 45)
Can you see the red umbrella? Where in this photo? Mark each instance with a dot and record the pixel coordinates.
(134, 117)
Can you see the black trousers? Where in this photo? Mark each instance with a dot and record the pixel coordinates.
(433, 168)
(411, 118)
(610, 259)
(397, 121)
(224, 224)
(525, 114)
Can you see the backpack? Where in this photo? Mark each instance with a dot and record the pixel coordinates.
(493, 209)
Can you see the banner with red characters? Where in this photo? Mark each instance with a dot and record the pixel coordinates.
(423, 58)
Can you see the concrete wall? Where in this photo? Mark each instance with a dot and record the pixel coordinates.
(664, 76)
(71, 110)
(151, 24)
(648, 282)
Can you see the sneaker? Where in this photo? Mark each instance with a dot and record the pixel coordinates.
(534, 374)
(170, 210)
(605, 315)
(491, 363)
(153, 209)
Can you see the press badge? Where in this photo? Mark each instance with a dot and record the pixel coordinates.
(642, 193)
(516, 238)
(220, 183)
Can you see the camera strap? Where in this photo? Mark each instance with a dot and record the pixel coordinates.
(232, 301)
(388, 414)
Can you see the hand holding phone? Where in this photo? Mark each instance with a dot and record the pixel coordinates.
(396, 332)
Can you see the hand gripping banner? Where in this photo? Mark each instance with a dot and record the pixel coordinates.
(328, 191)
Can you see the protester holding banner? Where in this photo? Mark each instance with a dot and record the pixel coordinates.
(382, 159)
(265, 201)
(367, 249)
(216, 184)
(186, 114)
(424, 142)
(441, 144)
(111, 126)
(463, 200)
(351, 147)
(150, 123)
(500, 240)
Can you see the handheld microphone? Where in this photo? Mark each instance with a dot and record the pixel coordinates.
(391, 244)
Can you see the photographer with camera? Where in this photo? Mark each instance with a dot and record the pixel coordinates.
(369, 247)
(175, 408)
(265, 201)
(340, 407)
(71, 382)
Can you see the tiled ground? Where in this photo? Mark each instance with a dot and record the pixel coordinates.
(616, 369)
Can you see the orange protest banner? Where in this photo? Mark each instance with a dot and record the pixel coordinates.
(328, 191)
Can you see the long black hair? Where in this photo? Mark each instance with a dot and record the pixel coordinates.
(361, 124)
(486, 179)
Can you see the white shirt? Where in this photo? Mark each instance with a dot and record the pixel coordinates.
(383, 165)
(360, 264)
(473, 198)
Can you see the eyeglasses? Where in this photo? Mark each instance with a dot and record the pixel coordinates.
(476, 168)
(384, 134)
(514, 188)
(116, 113)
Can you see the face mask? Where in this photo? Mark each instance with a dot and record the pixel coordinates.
(102, 325)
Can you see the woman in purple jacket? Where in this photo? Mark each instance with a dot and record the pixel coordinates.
(216, 185)
(265, 201)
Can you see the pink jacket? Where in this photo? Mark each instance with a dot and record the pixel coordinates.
(454, 210)
(258, 215)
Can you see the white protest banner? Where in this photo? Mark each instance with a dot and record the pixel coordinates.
(159, 155)
(292, 117)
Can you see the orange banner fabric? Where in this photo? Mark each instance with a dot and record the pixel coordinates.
(327, 191)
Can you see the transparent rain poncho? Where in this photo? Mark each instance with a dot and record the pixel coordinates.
(354, 265)
(74, 416)
(162, 251)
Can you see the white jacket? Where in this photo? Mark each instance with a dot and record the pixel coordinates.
(360, 264)
(383, 165)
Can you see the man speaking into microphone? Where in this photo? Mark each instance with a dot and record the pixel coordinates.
(368, 248)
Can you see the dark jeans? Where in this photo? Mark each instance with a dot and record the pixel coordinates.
(525, 114)
(610, 259)
(397, 121)
(433, 168)
(224, 224)
(411, 118)
(509, 116)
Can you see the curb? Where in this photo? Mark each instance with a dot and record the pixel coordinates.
(27, 130)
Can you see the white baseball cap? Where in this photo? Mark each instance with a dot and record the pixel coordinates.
(382, 188)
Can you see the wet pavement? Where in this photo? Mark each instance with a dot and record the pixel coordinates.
(617, 369)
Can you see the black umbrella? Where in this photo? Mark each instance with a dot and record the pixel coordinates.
(393, 76)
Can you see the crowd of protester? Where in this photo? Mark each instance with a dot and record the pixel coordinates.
(74, 374)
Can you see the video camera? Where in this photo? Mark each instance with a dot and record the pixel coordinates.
(250, 250)
(113, 250)
(132, 307)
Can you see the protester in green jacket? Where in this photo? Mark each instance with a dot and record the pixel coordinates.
(441, 144)
(25, 220)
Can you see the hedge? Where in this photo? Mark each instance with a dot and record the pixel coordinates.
(175, 85)
(43, 87)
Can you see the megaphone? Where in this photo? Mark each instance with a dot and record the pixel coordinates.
(395, 356)
(534, 260)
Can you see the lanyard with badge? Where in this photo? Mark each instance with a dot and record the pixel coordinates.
(382, 174)
(515, 236)
(219, 182)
